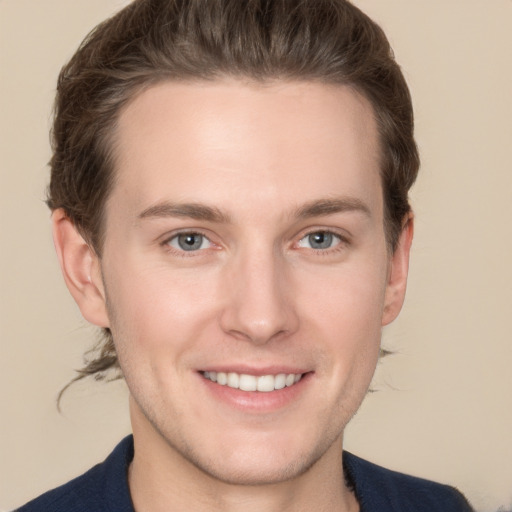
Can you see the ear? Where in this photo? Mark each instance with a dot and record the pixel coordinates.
(81, 269)
(397, 272)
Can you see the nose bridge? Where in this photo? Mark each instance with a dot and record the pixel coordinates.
(259, 306)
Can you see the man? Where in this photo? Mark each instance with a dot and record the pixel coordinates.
(229, 195)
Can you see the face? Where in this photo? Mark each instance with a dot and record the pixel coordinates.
(246, 272)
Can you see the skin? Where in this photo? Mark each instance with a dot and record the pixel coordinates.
(253, 170)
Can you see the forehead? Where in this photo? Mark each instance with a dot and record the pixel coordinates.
(287, 142)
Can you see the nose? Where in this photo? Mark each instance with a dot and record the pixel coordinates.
(258, 304)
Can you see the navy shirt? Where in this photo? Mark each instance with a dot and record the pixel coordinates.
(104, 488)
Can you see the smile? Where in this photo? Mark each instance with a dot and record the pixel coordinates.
(244, 382)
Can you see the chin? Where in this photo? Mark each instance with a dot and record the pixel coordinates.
(254, 471)
(265, 461)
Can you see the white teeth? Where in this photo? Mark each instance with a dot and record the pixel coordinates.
(290, 379)
(248, 382)
(280, 381)
(233, 380)
(263, 383)
(266, 383)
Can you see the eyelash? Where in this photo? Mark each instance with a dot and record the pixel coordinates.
(166, 244)
(343, 241)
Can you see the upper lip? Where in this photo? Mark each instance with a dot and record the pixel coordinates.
(254, 370)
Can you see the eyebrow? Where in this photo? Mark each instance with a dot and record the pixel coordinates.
(331, 206)
(197, 211)
(189, 210)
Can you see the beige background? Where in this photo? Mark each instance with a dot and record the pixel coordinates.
(444, 410)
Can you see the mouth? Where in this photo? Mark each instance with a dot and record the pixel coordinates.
(246, 382)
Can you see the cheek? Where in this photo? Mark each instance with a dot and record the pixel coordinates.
(345, 316)
(157, 311)
(349, 298)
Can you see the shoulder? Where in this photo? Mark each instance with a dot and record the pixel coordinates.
(380, 489)
(98, 489)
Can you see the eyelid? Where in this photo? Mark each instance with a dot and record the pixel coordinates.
(174, 242)
(167, 238)
(339, 233)
(342, 236)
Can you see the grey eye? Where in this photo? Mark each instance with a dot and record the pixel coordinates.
(320, 240)
(189, 242)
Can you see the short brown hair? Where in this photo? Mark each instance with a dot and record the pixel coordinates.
(151, 41)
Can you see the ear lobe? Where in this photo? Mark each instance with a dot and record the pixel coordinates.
(81, 269)
(398, 271)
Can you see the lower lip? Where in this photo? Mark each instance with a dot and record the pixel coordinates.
(257, 401)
